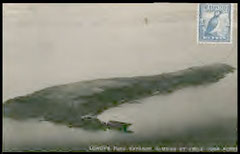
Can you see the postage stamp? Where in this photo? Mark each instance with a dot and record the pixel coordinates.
(215, 23)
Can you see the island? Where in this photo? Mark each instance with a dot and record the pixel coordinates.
(78, 104)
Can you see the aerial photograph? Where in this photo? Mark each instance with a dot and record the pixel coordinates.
(119, 77)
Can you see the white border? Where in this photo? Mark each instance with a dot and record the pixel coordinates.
(231, 28)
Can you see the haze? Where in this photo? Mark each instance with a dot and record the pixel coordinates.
(52, 44)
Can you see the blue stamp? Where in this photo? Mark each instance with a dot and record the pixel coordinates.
(215, 23)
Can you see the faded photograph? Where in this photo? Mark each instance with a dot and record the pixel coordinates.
(117, 77)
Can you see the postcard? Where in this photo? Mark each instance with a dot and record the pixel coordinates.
(120, 77)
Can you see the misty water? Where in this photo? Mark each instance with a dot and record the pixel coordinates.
(48, 45)
(190, 116)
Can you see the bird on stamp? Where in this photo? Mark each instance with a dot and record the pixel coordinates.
(213, 22)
